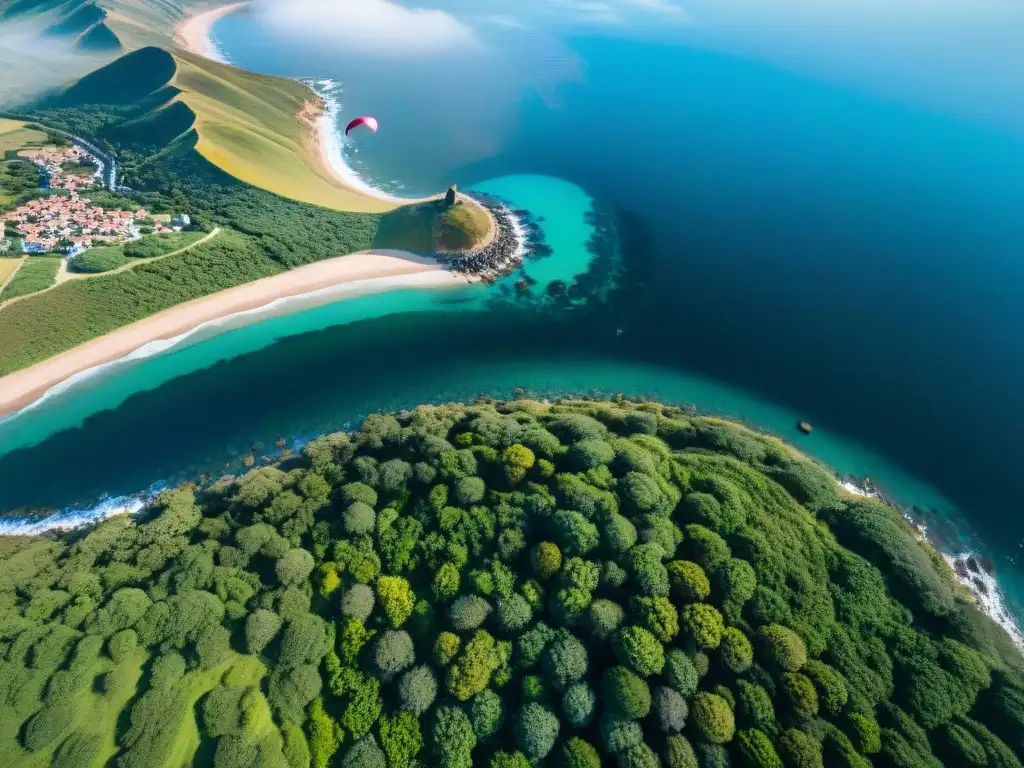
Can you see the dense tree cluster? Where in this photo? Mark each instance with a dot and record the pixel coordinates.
(507, 584)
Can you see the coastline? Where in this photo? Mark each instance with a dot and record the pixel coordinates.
(194, 32)
(356, 274)
(318, 116)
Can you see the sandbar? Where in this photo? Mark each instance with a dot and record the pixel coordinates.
(357, 274)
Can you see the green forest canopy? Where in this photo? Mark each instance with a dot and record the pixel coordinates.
(505, 584)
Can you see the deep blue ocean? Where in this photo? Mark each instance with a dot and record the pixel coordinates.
(798, 248)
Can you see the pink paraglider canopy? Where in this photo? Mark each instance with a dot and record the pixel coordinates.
(369, 122)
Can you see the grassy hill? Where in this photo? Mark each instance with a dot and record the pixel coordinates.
(249, 126)
(246, 124)
(432, 226)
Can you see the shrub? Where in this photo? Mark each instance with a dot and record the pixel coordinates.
(709, 549)
(864, 733)
(963, 747)
(701, 663)
(640, 650)
(618, 534)
(737, 652)
(640, 492)
(358, 519)
(509, 760)
(358, 602)
(688, 581)
(400, 738)
(671, 709)
(396, 598)
(680, 673)
(640, 756)
(446, 581)
(625, 694)
(703, 623)
(122, 644)
(536, 730)
(469, 491)
(547, 559)
(658, 616)
(518, 460)
(647, 571)
(445, 648)
(468, 612)
(754, 707)
(393, 653)
(782, 647)
(713, 718)
(470, 672)
(486, 713)
(604, 617)
(578, 704)
(417, 689)
(586, 454)
(577, 535)
(678, 752)
(756, 750)
(713, 755)
(798, 692)
(365, 754)
(565, 659)
(513, 613)
(798, 750)
(619, 734)
(828, 683)
(577, 753)
(454, 737)
(294, 566)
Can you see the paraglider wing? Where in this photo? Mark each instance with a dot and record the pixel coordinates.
(365, 120)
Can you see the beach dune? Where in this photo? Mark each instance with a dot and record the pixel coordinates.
(356, 274)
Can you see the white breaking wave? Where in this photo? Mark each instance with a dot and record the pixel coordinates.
(215, 51)
(67, 519)
(333, 139)
(987, 592)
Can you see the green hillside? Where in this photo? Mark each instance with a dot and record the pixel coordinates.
(125, 81)
(433, 226)
(505, 585)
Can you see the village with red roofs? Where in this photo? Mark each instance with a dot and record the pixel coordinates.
(68, 223)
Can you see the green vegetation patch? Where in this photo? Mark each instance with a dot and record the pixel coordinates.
(505, 584)
(37, 273)
(79, 310)
(151, 246)
(100, 259)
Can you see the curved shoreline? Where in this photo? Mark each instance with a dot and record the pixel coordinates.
(194, 32)
(356, 274)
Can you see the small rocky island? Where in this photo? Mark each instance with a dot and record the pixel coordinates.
(468, 234)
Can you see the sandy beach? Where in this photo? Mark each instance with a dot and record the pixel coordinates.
(357, 274)
(193, 34)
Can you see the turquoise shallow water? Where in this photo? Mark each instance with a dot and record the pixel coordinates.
(561, 206)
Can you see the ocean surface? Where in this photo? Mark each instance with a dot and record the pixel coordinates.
(793, 247)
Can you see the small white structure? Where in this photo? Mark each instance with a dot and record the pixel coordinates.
(180, 220)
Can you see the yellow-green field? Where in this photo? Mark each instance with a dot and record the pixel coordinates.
(250, 126)
(7, 267)
(14, 135)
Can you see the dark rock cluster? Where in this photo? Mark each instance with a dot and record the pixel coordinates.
(500, 257)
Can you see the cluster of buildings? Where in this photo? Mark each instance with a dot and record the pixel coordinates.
(53, 159)
(69, 223)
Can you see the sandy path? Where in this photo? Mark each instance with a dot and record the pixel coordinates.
(357, 274)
